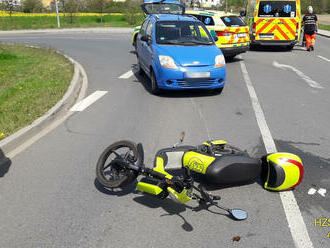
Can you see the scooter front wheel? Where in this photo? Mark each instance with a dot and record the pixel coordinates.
(109, 171)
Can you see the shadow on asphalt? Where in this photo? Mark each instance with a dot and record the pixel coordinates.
(169, 206)
(233, 60)
(116, 192)
(316, 175)
(172, 208)
(270, 49)
(5, 164)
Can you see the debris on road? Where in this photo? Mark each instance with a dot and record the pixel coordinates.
(236, 238)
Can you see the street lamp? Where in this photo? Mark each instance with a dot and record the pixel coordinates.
(58, 17)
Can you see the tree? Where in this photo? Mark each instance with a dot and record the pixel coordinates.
(97, 6)
(132, 11)
(71, 7)
(9, 5)
(32, 6)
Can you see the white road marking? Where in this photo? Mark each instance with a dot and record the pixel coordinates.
(322, 192)
(83, 104)
(295, 220)
(58, 37)
(311, 191)
(324, 58)
(127, 75)
(306, 78)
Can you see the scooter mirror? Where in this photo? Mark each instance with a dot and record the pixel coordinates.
(239, 214)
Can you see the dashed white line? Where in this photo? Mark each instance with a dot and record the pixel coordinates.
(306, 78)
(127, 75)
(321, 191)
(295, 220)
(324, 58)
(83, 104)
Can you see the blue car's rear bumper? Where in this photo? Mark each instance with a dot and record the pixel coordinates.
(171, 79)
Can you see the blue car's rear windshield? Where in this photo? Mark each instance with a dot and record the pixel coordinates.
(185, 33)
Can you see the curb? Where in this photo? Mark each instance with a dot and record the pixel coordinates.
(324, 35)
(69, 30)
(75, 92)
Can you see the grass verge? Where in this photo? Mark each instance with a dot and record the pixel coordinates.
(32, 80)
(40, 22)
(324, 27)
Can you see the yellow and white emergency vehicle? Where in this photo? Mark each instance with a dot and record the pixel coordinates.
(232, 32)
(276, 22)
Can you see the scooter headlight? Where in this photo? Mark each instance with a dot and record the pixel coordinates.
(219, 61)
(167, 62)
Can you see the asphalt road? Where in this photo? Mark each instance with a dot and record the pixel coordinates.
(49, 196)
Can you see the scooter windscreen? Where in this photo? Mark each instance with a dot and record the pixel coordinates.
(284, 171)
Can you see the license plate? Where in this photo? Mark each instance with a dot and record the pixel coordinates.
(198, 74)
(243, 35)
(266, 36)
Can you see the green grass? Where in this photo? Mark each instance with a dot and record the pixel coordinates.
(324, 27)
(31, 82)
(36, 22)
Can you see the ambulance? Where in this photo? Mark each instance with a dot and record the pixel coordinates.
(276, 22)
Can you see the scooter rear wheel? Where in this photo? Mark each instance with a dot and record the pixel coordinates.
(109, 172)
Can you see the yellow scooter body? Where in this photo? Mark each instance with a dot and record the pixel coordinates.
(159, 188)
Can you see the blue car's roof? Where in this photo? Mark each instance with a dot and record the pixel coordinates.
(171, 17)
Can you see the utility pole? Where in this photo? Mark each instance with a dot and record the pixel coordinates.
(226, 6)
(58, 16)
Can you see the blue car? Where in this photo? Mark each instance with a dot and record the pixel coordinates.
(176, 51)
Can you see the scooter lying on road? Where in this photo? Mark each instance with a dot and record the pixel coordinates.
(216, 162)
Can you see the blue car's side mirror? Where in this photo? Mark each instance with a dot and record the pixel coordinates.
(146, 38)
(215, 38)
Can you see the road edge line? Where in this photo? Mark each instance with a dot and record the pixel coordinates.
(75, 92)
(293, 215)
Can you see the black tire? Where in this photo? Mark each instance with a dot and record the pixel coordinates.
(134, 43)
(123, 177)
(290, 47)
(139, 68)
(154, 86)
(254, 47)
(230, 58)
(218, 91)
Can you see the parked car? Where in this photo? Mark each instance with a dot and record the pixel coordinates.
(177, 52)
(232, 32)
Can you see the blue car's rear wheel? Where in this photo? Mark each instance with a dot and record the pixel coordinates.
(139, 68)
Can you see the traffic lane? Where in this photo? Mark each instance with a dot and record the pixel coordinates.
(104, 56)
(322, 46)
(305, 105)
(297, 116)
(59, 173)
(172, 117)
